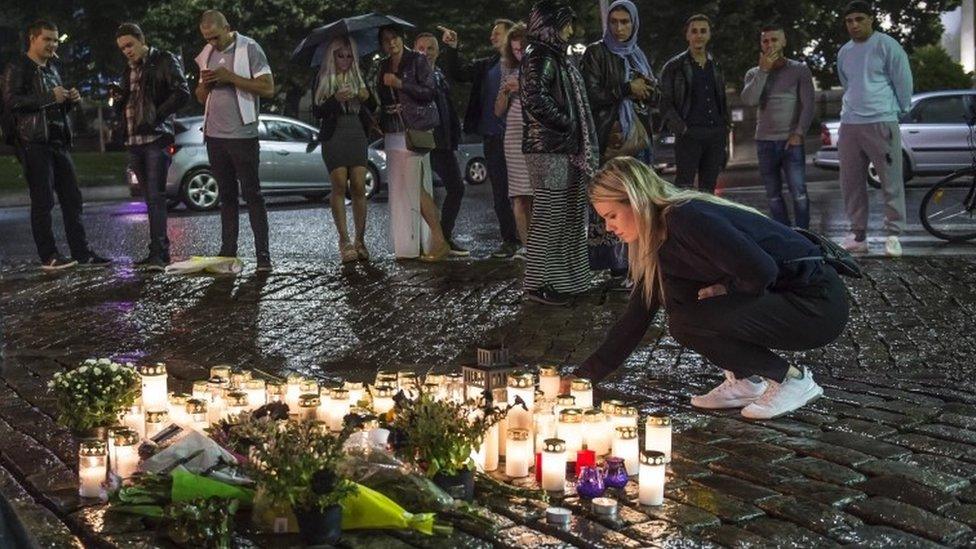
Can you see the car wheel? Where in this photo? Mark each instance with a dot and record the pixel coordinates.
(372, 182)
(476, 171)
(200, 191)
(906, 173)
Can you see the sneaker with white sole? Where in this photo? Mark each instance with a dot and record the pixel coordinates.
(732, 393)
(893, 246)
(855, 246)
(783, 398)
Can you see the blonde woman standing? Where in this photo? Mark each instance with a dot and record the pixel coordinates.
(735, 285)
(343, 105)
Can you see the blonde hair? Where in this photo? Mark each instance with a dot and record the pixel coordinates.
(329, 81)
(629, 181)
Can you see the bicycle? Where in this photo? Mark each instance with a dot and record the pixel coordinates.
(948, 209)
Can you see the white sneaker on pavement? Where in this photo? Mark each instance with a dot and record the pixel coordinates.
(855, 246)
(783, 398)
(893, 246)
(732, 393)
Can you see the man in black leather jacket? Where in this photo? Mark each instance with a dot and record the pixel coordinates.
(484, 74)
(38, 101)
(694, 108)
(152, 90)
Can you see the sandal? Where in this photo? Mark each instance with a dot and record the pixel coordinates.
(348, 253)
(361, 251)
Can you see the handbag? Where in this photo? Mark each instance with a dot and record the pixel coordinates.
(832, 254)
(418, 141)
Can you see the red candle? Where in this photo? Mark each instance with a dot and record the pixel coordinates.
(538, 466)
(585, 458)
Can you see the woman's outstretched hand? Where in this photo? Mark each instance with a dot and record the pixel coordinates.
(714, 290)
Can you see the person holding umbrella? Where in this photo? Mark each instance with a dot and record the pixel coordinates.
(343, 104)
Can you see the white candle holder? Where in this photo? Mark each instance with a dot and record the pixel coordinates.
(544, 427)
(125, 454)
(154, 390)
(657, 435)
(554, 465)
(357, 391)
(651, 478)
(549, 381)
(275, 391)
(237, 404)
(337, 407)
(521, 384)
(221, 371)
(196, 411)
(177, 409)
(563, 402)
(383, 399)
(596, 432)
(92, 459)
(570, 430)
(156, 421)
(387, 377)
(135, 419)
(238, 378)
(257, 393)
(624, 416)
(308, 406)
(519, 454)
(625, 446)
(293, 391)
(201, 390)
(582, 390)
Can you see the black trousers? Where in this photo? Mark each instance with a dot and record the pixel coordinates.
(498, 173)
(235, 162)
(737, 332)
(151, 164)
(444, 163)
(50, 171)
(700, 151)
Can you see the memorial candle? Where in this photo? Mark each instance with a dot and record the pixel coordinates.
(308, 405)
(651, 478)
(554, 465)
(154, 391)
(292, 392)
(257, 395)
(519, 453)
(177, 409)
(596, 432)
(337, 407)
(125, 458)
(582, 390)
(356, 391)
(135, 419)
(308, 387)
(236, 405)
(544, 424)
(221, 371)
(563, 402)
(521, 385)
(201, 390)
(625, 446)
(383, 399)
(384, 377)
(238, 378)
(276, 391)
(91, 468)
(156, 420)
(549, 381)
(196, 410)
(657, 435)
(570, 430)
(624, 416)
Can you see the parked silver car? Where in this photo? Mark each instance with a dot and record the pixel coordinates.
(935, 136)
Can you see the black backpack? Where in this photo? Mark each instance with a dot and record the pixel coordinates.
(831, 253)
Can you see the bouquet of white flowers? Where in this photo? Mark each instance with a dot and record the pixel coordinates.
(95, 394)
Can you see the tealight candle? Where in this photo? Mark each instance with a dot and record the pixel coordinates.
(177, 408)
(257, 394)
(196, 410)
(292, 392)
(201, 390)
(154, 392)
(125, 458)
(625, 446)
(236, 405)
(91, 468)
(135, 419)
(570, 429)
(624, 416)
(221, 371)
(156, 420)
(549, 381)
(582, 390)
(238, 378)
(383, 399)
(337, 408)
(356, 391)
(519, 453)
(596, 432)
(521, 384)
(657, 435)
(651, 478)
(554, 465)
(563, 402)
(308, 405)
(275, 391)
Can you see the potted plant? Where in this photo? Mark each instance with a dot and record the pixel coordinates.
(94, 396)
(294, 463)
(201, 522)
(439, 436)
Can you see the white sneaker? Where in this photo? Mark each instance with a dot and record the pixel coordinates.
(732, 393)
(893, 246)
(783, 398)
(854, 246)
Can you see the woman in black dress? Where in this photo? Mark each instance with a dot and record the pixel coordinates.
(343, 104)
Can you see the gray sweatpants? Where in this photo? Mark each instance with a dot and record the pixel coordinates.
(879, 143)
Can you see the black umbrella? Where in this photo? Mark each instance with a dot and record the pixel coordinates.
(361, 28)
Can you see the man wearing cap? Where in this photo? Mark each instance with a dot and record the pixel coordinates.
(877, 80)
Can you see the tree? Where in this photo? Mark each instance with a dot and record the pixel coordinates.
(933, 69)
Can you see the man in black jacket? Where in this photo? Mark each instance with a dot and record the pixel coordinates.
(694, 108)
(152, 90)
(485, 77)
(38, 101)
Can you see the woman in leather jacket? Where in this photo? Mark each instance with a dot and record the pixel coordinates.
(560, 146)
(406, 90)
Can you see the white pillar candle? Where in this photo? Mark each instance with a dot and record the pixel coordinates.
(356, 392)
(257, 395)
(624, 416)
(125, 457)
(338, 407)
(383, 399)
(563, 402)
(135, 419)
(275, 391)
(651, 478)
(490, 445)
(549, 381)
(196, 411)
(156, 421)
(519, 453)
(221, 371)
(177, 409)
(308, 387)
(657, 435)
(610, 406)
(596, 432)
(625, 446)
(238, 378)
(91, 468)
(201, 390)
(215, 408)
(384, 377)
(235, 405)
(570, 430)
(521, 385)
(544, 427)
(154, 391)
(308, 406)
(582, 390)
(292, 392)
(554, 465)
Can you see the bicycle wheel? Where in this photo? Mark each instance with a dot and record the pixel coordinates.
(948, 209)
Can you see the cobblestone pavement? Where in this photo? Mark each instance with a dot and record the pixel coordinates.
(885, 459)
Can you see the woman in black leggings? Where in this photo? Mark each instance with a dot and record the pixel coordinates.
(728, 278)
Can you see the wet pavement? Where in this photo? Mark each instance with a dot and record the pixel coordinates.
(886, 459)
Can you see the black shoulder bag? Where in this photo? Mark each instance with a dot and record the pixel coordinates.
(831, 253)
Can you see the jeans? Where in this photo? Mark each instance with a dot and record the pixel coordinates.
(236, 161)
(150, 164)
(737, 332)
(444, 163)
(498, 173)
(775, 161)
(700, 151)
(50, 171)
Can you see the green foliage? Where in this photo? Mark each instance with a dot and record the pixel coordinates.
(95, 394)
(202, 522)
(933, 69)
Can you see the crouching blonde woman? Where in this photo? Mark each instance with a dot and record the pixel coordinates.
(730, 282)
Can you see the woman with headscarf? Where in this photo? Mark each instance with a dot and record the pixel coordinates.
(621, 87)
(560, 146)
(343, 105)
